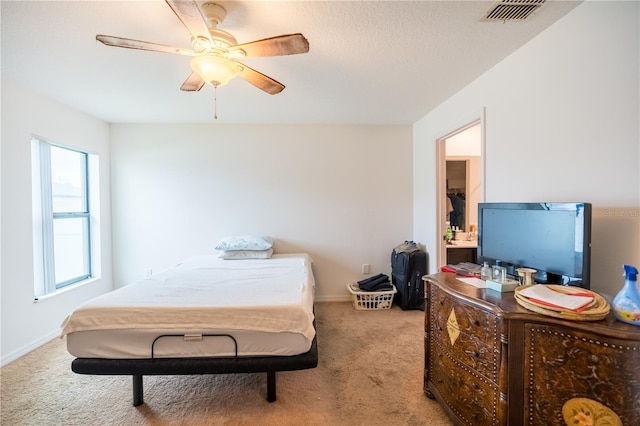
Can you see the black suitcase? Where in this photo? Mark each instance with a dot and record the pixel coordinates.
(407, 270)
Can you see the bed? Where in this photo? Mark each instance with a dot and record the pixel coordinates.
(205, 315)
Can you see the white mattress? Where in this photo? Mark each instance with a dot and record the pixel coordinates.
(266, 304)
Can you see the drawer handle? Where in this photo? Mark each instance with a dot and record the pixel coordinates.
(475, 386)
(440, 302)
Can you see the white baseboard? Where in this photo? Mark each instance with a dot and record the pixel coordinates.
(28, 348)
(333, 299)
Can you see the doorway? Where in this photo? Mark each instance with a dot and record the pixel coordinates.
(460, 189)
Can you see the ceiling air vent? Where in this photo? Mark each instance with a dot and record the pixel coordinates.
(512, 10)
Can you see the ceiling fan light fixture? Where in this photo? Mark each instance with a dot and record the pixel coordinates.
(216, 51)
(214, 69)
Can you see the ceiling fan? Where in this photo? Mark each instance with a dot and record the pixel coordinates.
(216, 52)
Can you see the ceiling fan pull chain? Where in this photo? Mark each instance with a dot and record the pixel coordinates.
(215, 101)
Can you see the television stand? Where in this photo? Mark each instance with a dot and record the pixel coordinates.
(489, 361)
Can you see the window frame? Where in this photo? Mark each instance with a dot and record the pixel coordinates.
(85, 214)
(45, 219)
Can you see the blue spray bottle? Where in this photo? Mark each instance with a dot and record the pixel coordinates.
(626, 305)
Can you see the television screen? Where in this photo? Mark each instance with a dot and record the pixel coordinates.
(553, 238)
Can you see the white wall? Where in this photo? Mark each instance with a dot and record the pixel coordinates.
(561, 125)
(25, 324)
(340, 193)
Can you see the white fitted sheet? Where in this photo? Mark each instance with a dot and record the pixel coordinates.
(130, 344)
(266, 304)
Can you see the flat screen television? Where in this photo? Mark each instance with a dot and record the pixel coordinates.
(553, 238)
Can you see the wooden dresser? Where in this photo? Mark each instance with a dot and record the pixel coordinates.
(489, 361)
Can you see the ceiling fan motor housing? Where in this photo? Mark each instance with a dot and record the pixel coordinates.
(222, 39)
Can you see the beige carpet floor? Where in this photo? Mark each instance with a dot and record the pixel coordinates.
(370, 373)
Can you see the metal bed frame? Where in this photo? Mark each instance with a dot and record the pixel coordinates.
(197, 365)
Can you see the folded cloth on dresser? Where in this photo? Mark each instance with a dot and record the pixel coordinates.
(547, 296)
(378, 282)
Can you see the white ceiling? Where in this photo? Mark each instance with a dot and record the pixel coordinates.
(370, 62)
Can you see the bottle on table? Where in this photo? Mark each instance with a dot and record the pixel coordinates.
(499, 272)
(485, 272)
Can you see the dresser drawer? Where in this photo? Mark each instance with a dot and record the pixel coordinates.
(467, 349)
(469, 319)
(472, 398)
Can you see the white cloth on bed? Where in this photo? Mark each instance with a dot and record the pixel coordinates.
(273, 295)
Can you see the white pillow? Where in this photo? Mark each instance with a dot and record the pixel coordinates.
(246, 254)
(245, 242)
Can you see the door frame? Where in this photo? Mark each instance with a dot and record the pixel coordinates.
(441, 181)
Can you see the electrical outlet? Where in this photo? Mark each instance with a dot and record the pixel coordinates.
(365, 268)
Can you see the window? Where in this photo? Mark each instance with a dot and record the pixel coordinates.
(62, 216)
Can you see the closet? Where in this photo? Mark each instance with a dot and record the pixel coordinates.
(461, 207)
(457, 194)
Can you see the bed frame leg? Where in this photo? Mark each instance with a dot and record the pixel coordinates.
(271, 386)
(137, 390)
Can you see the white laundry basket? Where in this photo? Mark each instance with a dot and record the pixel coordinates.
(371, 300)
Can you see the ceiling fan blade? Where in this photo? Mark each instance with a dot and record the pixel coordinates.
(189, 14)
(142, 45)
(260, 80)
(193, 83)
(290, 44)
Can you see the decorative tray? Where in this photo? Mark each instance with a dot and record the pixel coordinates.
(596, 310)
